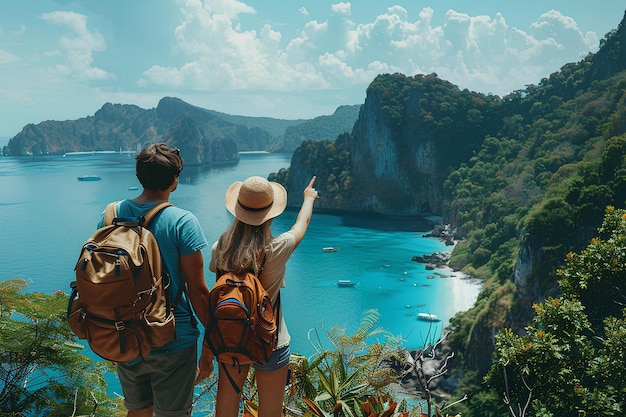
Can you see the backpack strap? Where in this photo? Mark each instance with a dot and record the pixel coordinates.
(110, 213)
(258, 274)
(185, 289)
(183, 285)
(153, 212)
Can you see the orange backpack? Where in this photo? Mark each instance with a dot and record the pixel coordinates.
(120, 302)
(242, 324)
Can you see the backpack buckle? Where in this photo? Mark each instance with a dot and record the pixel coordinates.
(119, 326)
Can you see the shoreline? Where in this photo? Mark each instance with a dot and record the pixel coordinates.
(465, 289)
(458, 290)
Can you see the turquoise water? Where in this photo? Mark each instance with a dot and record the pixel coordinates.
(46, 214)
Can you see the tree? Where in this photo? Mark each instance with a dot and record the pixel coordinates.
(570, 360)
(42, 371)
(597, 275)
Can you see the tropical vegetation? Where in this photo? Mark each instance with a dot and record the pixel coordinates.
(569, 361)
(42, 371)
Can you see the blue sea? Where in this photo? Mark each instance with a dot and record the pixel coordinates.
(46, 214)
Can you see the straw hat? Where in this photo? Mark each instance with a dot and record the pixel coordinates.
(256, 200)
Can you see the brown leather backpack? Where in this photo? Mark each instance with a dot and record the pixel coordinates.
(120, 302)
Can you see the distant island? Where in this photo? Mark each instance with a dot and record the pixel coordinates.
(210, 136)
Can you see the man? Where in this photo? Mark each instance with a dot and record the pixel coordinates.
(163, 382)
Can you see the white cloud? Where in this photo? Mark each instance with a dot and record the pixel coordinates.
(476, 52)
(341, 8)
(7, 57)
(230, 8)
(77, 47)
(221, 55)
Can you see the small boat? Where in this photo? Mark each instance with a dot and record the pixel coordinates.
(426, 317)
(346, 283)
(132, 188)
(89, 178)
(330, 249)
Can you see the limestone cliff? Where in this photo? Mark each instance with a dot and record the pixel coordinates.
(395, 172)
(410, 133)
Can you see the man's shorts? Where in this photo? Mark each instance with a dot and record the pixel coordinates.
(278, 360)
(165, 381)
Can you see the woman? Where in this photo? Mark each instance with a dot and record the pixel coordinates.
(254, 203)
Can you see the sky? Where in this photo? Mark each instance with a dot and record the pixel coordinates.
(286, 59)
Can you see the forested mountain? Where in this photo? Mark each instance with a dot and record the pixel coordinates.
(321, 127)
(523, 180)
(208, 135)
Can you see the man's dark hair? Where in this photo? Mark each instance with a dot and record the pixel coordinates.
(157, 166)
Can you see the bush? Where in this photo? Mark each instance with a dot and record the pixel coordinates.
(41, 369)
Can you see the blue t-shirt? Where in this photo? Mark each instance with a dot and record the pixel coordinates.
(178, 232)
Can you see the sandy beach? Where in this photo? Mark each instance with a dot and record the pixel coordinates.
(465, 289)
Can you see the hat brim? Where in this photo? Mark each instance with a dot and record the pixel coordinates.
(255, 218)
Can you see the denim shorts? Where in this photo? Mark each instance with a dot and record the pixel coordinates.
(165, 381)
(278, 360)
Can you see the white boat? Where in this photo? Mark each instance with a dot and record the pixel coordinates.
(346, 283)
(426, 317)
(330, 249)
(89, 178)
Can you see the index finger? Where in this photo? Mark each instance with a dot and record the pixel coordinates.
(312, 181)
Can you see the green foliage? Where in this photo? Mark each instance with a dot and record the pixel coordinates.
(352, 370)
(549, 170)
(569, 361)
(486, 402)
(597, 275)
(360, 376)
(329, 161)
(457, 119)
(320, 128)
(41, 371)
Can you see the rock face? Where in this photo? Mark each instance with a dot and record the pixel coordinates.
(398, 172)
(410, 133)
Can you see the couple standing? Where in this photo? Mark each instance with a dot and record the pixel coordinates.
(162, 384)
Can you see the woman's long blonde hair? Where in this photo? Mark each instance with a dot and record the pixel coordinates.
(240, 248)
